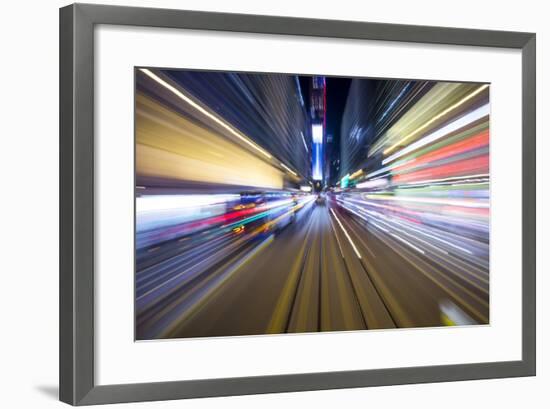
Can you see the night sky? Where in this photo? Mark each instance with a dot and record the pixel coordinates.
(337, 93)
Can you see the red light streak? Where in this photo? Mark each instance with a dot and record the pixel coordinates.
(463, 167)
(474, 142)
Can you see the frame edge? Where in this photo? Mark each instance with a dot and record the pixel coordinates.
(529, 204)
(284, 25)
(76, 347)
(76, 218)
(66, 328)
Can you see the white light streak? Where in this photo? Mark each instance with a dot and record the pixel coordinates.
(401, 239)
(424, 182)
(369, 184)
(440, 133)
(379, 227)
(447, 202)
(157, 203)
(346, 233)
(304, 141)
(440, 240)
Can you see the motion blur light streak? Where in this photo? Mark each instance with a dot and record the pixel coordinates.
(304, 141)
(346, 233)
(460, 123)
(202, 110)
(440, 115)
(288, 169)
(273, 203)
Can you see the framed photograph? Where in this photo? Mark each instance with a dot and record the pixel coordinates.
(258, 204)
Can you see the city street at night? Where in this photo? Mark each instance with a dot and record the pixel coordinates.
(275, 203)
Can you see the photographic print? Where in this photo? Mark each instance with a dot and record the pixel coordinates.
(282, 203)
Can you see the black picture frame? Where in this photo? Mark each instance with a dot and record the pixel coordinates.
(77, 21)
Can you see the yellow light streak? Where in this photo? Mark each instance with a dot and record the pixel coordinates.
(435, 118)
(203, 111)
(288, 169)
(356, 174)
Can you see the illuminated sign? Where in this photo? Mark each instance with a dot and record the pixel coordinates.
(317, 133)
(317, 153)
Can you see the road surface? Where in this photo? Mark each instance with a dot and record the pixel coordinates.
(329, 270)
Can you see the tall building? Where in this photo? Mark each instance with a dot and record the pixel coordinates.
(372, 107)
(318, 109)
